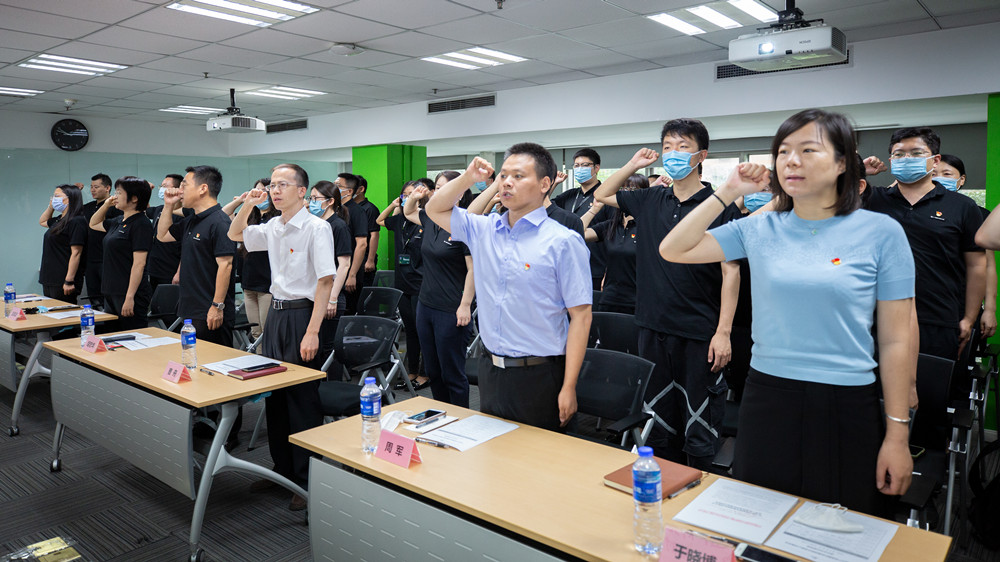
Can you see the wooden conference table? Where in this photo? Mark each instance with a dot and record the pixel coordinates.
(147, 420)
(20, 333)
(528, 483)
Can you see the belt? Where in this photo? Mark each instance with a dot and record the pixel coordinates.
(529, 361)
(277, 304)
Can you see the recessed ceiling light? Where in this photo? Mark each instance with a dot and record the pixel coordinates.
(717, 18)
(260, 13)
(475, 58)
(19, 92)
(497, 54)
(193, 109)
(755, 10)
(286, 93)
(59, 63)
(677, 23)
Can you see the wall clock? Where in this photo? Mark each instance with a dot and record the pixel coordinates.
(70, 134)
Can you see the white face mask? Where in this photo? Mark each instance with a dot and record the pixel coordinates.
(828, 517)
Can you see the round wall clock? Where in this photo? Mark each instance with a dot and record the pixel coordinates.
(70, 134)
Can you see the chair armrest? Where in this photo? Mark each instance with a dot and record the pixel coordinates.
(920, 491)
(628, 422)
(962, 418)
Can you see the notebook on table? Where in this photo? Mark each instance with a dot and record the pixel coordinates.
(675, 477)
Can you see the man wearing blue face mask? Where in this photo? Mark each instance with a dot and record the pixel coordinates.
(164, 260)
(586, 165)
(684, 311)
(940, 226)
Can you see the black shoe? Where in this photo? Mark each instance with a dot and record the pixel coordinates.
(298, 503)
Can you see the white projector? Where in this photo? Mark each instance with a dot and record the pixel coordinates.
(787, 49)
(235, 124)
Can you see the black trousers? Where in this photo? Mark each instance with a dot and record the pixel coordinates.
(815, 440)
(408, 314)
(93, 277)
(327, 335)
(222, 336)
(940, 341)
(444, 354)
(352, 298)
(687, 398)
(526, 395)
(155, 282)
(113, 305)
(630, 309)
(294, 408)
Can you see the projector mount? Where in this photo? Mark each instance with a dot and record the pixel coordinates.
(790, 18)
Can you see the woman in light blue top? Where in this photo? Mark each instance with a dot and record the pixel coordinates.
(810, 422)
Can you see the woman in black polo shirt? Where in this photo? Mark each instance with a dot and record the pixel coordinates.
(619, 236)
(408, 278)
(324, 202)
(253, 267)
(61, 273)
(129, 237)
(444, 305)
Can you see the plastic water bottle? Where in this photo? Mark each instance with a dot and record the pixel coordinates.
(189, 338)
(86, 324)
(647, 489)
(371, 414)
(9, 296)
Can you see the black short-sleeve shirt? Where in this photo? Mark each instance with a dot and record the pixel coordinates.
(204, 236)
(620, 244)
(443, 267)
(57, 248)
(256, 272)
(408, 238)
(358, 223)
(163, 256)
(343, 242)
(577, 202)
(123, 238)
(940, 228)
(95, 238)
(565, 218)
(372, 213)
(674, 298)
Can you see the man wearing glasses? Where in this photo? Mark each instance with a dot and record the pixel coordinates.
(348, 186)
(300, 250)
(941, 226)
(586, 164)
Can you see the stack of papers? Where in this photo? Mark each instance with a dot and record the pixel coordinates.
(143, 341)
(64, 315)
(29, 298)
(431, 426)
(240, 363)
(832, 546)
(738, 510)
(466, 434)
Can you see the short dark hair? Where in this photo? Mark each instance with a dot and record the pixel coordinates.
(653, 177)
(927, 134)
(329, 190)
(448, 174)
(685, 127)
(954, 162)
(362, 183)
(300, 174)
(838, 129)
(350, 179)
(176, 177)
(428, 182)
(208, 175)
(135, 187)
(545, 165)
(636, 181)
(588, 153)
(103, 178)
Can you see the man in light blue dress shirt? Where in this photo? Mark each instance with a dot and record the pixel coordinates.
(532, 287)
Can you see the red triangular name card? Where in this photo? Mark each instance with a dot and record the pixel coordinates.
(94, 344)
(176, 372)
(397, 449)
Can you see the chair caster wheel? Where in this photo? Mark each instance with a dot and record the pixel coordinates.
(14, 431)
(198, 555)
(56, 465)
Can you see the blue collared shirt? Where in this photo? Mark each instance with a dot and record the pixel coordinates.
(526, 278)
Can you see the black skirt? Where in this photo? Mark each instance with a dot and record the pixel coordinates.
(818, 441)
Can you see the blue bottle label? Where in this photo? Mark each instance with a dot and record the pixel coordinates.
(646, 490)
(371, 406)
(188, 339)
(86, 322)
(9, 296)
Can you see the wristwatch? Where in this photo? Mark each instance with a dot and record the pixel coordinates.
(219, 305)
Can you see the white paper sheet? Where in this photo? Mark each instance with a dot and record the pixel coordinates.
(830, 546)
(737, 510)
(440, 422)
(135, 335)
(466, 434)
(147, 342)
(62, 315)
(29, 298)
(238, 363)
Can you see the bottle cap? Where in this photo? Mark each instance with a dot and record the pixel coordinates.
(369, 380)
(645, 451)
(187, 320)
(86, 307)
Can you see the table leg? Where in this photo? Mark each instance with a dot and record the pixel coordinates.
(32, 368)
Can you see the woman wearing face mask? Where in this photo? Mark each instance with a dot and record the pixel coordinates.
(129, 237)
(619, 237)
(324, 202)
(61, 274)
(253, 267)
(821, 268)
(408, 238)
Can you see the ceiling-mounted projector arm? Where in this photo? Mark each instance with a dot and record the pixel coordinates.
(232, 109)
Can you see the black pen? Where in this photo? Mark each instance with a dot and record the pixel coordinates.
(432, 443)
(206, 371)
(684, 489)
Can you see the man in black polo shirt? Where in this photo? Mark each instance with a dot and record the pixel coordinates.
(358, 223)
(207, 289)
(164, 260)
(586, 164)
(100, 189)
(684, 311)
(371, 214)
(940, 226)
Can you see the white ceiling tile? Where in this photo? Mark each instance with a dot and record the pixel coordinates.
(969, 18)
(186, 25)
(568, 76)
(508, 85)
(158, 98)
(200, 93)
(846, 16)
(103, 53)
(541, 47)
(416, 44)
(39, 105)
(224, 84)
(371, 78)
(637, 66)
(28, 41)
(122, 83)
(31, 83)
(407, 13)
(84, 90)
(304, 67)
(367, 59)
(327, 3)
(13, 55)
(481, 29)
(693, 58)
(336, 27)
(261, 77)
(627, 32)
(147, 41)
(45, 24)
(322, 85)
(417, 68)
(81, 100)
(647, 7)
(949, 7)
(587, 59)
(104, 11)
(665, 47)
(490, 5)
(191, 66)
(153, 75)
(890, 30)
(526, 69)
(274, 41)
(557, 15)
(142, 105)
(233, 56)
(469, 78)
(47, 75)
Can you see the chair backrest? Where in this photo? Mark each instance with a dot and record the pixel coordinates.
(933, 384)
(164, 301)
(364, 340)
(612, 383)
(596, 303)
(614, 331)
(384, 278)
(379, 301)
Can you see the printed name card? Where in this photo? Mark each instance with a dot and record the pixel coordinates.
(682, 545)
(397, 449)
(94, 344)
(176, 372)
(16, 314)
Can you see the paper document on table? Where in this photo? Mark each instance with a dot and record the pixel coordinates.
(466, 434)
(64, 315)
(240, 363)
(431, 425)
(832, 546)
(737, 510)
(30, 298)
(147, 342)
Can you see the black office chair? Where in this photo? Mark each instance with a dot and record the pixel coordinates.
(596, 305)
(611, 387)
(242, 329)
(384, 278)
(379, 301)
(163, 306)
(614, 331)
(366, 346)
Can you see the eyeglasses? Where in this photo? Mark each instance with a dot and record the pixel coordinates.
(584, 165)
(918, 153)
(279, 186)
(318, 198)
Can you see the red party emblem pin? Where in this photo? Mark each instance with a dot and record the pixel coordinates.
(835, 261)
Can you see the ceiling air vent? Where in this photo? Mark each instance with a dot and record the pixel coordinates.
(287, 126)
(725, 71)
(461, 103)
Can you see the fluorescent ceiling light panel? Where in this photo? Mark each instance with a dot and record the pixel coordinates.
(475, 58)
(259, 13)
(286, 93)
(269, 95)
(676, 23)
(496, 54)
(68, 64)
(193, 109)
(451, 63)
(19, 92)
(717, 18)
(755, 10)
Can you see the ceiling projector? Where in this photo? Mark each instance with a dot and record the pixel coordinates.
(792, 42)
(233, 121)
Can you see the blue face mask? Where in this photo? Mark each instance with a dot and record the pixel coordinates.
(755, 201)
(583, 174)
(677, 164)
(162, 192)
(951, 184)
(316, 208)
(480, 185)
(910, 169)
(402, 201)
(58, 205)
(264, 205)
